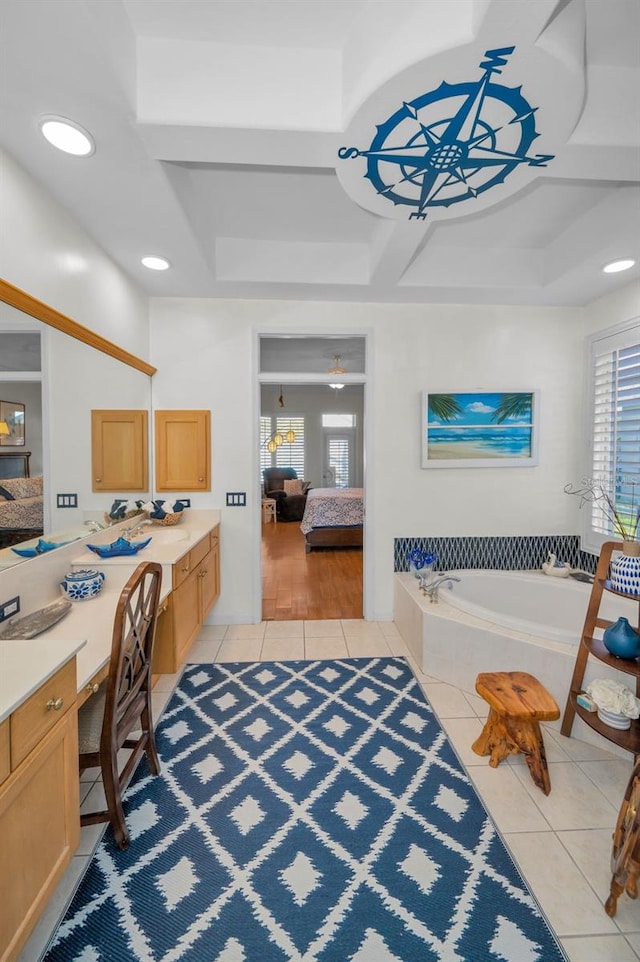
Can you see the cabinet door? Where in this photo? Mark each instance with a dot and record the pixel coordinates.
(183, 451)
(186, 615)
(119, 455)
(209, 580)
(39, 831)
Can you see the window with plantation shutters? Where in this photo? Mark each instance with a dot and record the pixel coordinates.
(288, 454)
(266, 461)
(291, 455)
(615, 429)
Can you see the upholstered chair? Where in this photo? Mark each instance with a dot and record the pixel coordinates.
(289, 493)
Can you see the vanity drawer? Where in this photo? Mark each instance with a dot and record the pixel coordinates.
(5, 757)
(214, 536)
(181, 570)
(32, 720)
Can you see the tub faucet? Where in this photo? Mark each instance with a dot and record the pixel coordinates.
(431, 588)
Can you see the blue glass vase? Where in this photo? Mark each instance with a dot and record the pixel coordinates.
(621, 640)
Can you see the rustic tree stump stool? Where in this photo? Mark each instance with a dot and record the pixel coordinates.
(518, 703)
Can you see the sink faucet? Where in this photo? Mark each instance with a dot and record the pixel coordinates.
(95, 525)
(130, 533)
(430, 588)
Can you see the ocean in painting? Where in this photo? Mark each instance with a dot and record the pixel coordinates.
(479, 442)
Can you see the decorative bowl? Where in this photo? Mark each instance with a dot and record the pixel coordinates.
(119, 547)
(83, 584)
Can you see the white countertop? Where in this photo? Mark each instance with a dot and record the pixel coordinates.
(26, 665)
(87, 629)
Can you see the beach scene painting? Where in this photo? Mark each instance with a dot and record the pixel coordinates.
(479, 429)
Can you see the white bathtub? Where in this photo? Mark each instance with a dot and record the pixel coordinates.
(536, 604)
(504, 621)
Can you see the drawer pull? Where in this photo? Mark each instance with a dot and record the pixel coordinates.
(55, 703)
(184, 568)
(92, 688)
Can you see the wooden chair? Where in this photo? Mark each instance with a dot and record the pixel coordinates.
(123, 701)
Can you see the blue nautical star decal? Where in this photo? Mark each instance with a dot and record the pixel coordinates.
(452, 143)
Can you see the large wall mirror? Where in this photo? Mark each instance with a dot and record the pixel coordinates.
(79, 371)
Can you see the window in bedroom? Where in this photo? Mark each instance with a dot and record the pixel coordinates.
(614, 452)
(289, 454)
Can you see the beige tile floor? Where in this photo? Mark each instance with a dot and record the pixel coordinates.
(561, 842)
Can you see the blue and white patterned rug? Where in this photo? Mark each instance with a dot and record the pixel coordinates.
(310, 811)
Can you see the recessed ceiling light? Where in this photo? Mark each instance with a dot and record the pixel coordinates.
(67, 136)
(616, 266)
(156, 263)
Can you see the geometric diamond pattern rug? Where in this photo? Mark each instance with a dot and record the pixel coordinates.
(309, 811)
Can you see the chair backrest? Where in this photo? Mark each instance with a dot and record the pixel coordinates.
(134, 631)
(274, 478)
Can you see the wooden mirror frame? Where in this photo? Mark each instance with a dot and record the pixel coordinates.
(24, 302)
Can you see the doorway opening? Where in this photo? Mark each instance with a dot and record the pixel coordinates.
(311, 464)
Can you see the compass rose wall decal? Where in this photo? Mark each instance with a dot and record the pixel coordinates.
(452, 143)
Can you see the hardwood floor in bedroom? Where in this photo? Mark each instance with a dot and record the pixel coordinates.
(325, 583)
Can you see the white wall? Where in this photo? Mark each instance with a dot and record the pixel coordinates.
(204, 353)
(621, 305)
(45, 252)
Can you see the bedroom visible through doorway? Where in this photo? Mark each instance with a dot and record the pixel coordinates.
(312, 464)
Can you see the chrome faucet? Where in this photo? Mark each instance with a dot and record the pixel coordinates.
(430, 588)
(130, 533)
(95, 525)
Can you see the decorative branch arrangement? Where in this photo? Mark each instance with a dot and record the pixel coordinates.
(623, 515)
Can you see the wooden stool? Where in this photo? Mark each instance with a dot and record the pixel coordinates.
(518, 702)
(269, 510)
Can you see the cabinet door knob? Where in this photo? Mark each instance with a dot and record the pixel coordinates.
(200, 479)
(55, 703)
(92, 688)
(98, 480)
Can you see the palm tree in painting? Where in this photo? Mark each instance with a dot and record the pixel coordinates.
(444, 407)
(512, 406)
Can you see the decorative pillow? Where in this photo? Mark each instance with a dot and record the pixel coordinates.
(5, 495)
(293, 486)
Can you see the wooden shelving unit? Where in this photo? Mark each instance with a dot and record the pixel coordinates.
(591, 646)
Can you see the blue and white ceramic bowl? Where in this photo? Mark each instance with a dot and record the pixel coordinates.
(83, 584)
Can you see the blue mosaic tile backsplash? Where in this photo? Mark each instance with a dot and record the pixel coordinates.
(506, 553)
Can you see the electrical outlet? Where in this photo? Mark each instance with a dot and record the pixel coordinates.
(186, 502)
(8, 608)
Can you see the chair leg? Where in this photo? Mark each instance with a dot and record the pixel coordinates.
(113, 795)
(150, 748)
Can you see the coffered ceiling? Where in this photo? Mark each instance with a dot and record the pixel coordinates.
(353, 150)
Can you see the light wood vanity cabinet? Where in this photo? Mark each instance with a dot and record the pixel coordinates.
(39, 805)
(196, 587)
(119, 451)
(183, 450)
